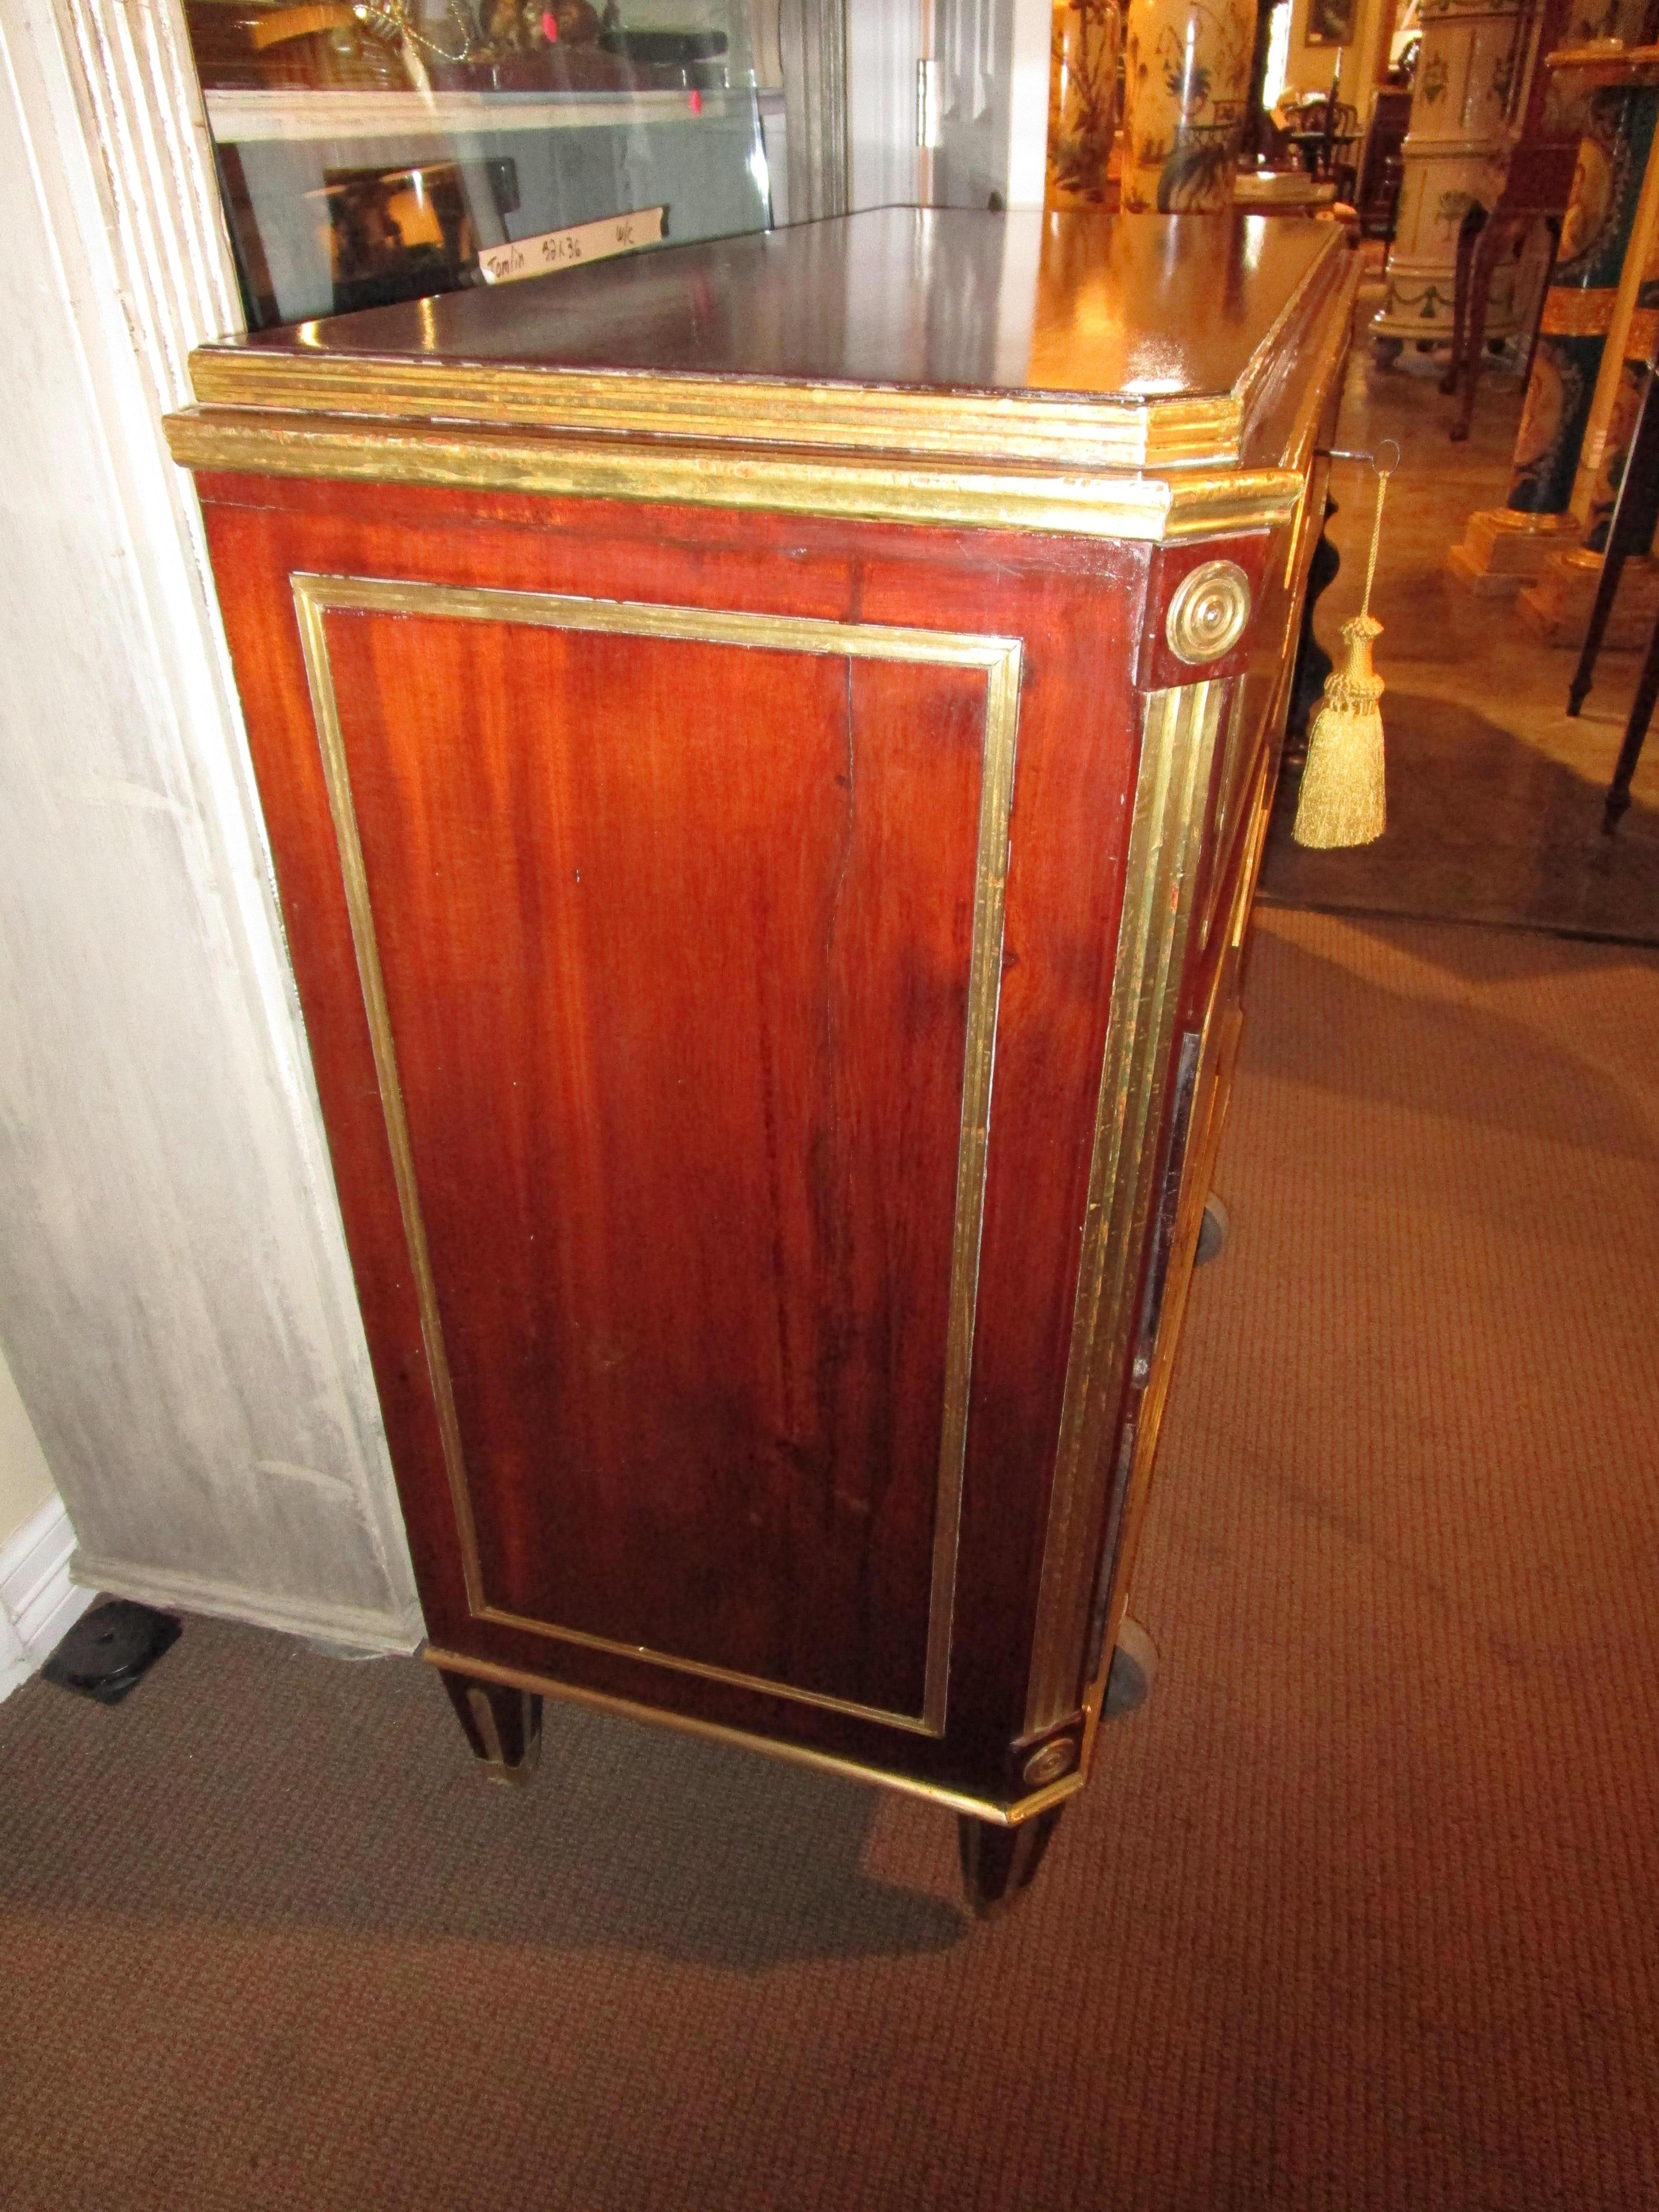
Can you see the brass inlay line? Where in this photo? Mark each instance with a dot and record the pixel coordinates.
(1002, 1812)
(1165, 838)
(310, 606)
(784, 481)
(1230, 783)
(984, 999)
(1069, 430)
(1223, 1022)
(1000, 659)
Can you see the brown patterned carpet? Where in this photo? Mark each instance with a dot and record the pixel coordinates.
(1360, 1910)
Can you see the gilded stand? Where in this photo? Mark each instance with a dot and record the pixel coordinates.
(1505, 547)
(1560, 607)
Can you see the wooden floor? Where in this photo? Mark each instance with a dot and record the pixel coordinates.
(1494, 794)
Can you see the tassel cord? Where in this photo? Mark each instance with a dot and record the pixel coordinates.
(1343, 800)
(1377, 540)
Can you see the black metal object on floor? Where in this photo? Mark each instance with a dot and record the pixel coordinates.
(1133, 1671)
(1213, 1231)
(110, 1650)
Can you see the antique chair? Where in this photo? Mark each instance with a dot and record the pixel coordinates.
(1323, 130)
(1381, 168)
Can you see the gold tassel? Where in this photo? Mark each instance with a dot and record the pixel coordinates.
(1342, 800)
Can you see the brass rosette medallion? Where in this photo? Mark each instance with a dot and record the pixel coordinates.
(1049, 1761)
(1208, 612)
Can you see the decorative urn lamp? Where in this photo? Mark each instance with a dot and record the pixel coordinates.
(1082, 101)
(1185, 81)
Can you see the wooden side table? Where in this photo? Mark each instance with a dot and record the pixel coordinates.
(1536, 189)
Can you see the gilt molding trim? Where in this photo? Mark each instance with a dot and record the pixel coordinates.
(1158, 510)
(1165, 839)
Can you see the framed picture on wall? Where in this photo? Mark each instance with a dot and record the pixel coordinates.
(1330, 23)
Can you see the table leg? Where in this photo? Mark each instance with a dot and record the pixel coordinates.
(1607, 590)
(1468, 231)
(998, 1863)
(1482, 260)
(503, 1726)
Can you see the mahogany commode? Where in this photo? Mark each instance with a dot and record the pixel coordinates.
(766, 747)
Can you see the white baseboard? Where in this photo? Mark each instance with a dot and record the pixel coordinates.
(350, 1626)
(38, 1602)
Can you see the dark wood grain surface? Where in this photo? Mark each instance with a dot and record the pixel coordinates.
(461, 742)
(675, 937)
(678, 933)
(1138, 307)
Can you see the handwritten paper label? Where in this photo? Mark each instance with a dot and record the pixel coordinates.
(563, 249)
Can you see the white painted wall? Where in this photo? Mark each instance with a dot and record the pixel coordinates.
(25, 1482)
(1027, 102)
(38, 1603)
(174, 1295)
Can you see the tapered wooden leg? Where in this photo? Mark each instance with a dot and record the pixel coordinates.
(1483, 263)
(998, 1863)
(503, 1726)
(1473, 219)
(1607, 590)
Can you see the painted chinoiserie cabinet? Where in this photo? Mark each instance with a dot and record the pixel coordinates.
(766, 746)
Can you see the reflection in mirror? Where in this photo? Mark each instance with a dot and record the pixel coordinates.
(368, 150)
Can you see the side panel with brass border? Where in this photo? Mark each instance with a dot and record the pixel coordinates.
(738, 774)
(1166, 839)
(998, 660)
(1216, 1042)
